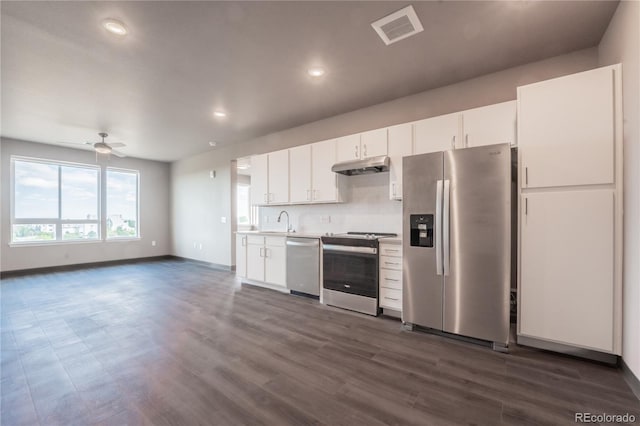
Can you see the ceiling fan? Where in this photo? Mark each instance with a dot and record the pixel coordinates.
(103, 147)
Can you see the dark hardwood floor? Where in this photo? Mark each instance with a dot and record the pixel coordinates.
(173, 343)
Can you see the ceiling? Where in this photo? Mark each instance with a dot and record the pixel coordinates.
(64, 78)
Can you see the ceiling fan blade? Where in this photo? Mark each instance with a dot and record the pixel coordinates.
(118, 153)
(75, 143)
(117, 145)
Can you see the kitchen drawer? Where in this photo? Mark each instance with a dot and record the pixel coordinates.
(392, 250)
(394, 263)
(391, 298)
(255, 240)
(391, 278)
(275, 241)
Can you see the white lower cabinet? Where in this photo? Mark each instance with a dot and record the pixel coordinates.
(567, 268)
(275, 261)
(390, 277)
(241, 255)
(267, 260)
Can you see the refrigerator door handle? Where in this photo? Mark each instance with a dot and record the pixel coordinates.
(446, 204)
(438, 229)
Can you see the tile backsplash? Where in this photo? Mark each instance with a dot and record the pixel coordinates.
(366, 208)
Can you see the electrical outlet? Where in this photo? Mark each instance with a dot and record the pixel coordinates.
(223, 219)
(153, 243)
(325, 219)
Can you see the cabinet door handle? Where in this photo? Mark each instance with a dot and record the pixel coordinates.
(308, 195)
(526, 176)
(391, 263)
(244, 241)
(266, 252)
(393, 187)
(261, 252)
(392, 250)
(365, 149)
(453, 142)
(391, 298)
(265, 197)
(466, 140)
(356, 152)
(526, 206)
(315, 194)
(391, 279)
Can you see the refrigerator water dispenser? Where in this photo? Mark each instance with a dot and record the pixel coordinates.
(421, 230)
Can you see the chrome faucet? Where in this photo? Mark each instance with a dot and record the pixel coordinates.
(280, 217)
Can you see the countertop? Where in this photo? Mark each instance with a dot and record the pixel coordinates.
(282, 234)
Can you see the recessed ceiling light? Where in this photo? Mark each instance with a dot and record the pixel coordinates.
(212, 143)
(220, 114)
(115, 27)
(316, 72)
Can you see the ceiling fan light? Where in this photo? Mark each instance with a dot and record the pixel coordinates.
(102, 148)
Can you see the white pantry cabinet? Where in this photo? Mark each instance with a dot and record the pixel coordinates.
(489, 125)
(570, 213)
(241, 255)
(259, 179)
(324, 182)
(266, 260)
(435, 134)
(566, 129)
(400, 145)
(362, 145)
(568, 267)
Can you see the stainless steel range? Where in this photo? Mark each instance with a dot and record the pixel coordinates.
(350, 270)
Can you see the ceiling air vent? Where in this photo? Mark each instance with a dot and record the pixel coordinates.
(398, 26)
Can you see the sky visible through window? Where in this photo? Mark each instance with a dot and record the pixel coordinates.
(36, 190)
(122, 203)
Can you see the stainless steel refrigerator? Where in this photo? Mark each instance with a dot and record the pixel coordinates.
(457, 242)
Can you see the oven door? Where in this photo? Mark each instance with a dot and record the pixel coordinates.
(350, 269)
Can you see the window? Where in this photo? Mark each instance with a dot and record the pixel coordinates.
(122, 203)
(54, 201)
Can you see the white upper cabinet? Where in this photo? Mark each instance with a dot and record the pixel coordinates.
(300, 173)
(566, 130)
(567, 267)
(400, 145)
(270, 178)
(348, 148)
(363, 145)
(259, 179)
(435, 134)
(324, 181)
(278, 177)
(373, 143)
(489, 125)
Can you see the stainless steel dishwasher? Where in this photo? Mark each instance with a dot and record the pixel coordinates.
(303, 265)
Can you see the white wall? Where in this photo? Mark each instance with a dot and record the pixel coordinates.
(621, 43)
(199, 202)
(154, 213)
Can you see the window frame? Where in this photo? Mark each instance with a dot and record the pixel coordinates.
(57, 222)
(138, 235)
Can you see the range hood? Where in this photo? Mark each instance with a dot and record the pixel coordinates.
(362, 167)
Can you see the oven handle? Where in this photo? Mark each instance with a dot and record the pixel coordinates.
(349, 249)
